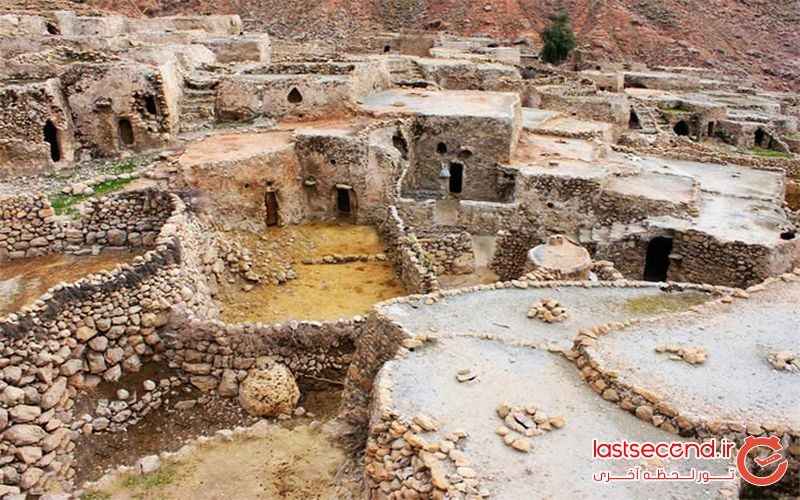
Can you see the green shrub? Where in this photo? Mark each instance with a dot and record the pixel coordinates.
(558, 39)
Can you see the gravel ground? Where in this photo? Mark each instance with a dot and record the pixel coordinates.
(560, 464)
(503, 313)
(736, 381)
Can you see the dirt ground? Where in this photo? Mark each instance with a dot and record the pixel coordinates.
(319, 292)
(23, 281)
(292, 464)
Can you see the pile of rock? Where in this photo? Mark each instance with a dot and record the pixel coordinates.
(269, 392)
(522, 423)
(402, 463)
(694, 355)
(127, 409)
(344, 259)
(87, 187)
(785, 361)
(547, 310)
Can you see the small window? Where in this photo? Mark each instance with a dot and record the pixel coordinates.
(52, 29)
(125, 131)
(295, 97)
(441, 148)
(386, 48)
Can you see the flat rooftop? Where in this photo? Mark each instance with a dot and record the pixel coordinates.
(233, 147)
(443, 103)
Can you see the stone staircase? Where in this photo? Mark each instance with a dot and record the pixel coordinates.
(647, 118)
(405, 72)
(199, 102)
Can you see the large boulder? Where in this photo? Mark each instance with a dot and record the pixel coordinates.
(269, 392)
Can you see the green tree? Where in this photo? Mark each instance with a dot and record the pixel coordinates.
(558, 38)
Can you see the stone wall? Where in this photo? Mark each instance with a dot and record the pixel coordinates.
(77, 335)
(29, 228)
(216, 356)
(449, 249)
(410, 260)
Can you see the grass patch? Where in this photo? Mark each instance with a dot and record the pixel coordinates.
(64, 204)
(769, 153)
(123, 167)
(664, 303)
(165, 476)
(673, 111)
(96, 495)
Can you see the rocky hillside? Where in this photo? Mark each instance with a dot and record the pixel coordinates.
(759, 38)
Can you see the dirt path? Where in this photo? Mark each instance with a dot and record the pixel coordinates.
(281, 463)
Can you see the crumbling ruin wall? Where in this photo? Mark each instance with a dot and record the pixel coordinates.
(136, 115)
(466, 75)
(700, 258)
(30, 114)
(411, 262)
(216, 356)
(511, 254)
(379, 341)
(28, 227)
(76, 335)
(449, 249)
(610, 108)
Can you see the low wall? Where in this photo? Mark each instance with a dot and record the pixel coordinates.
(449, 249)
(411, 262)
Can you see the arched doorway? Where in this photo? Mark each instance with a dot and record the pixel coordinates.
(656, 264)
(633, 121)
(271, 207)
(456, 177)
(125, 131)
(681, 128)
(51, 137)
(760, 138)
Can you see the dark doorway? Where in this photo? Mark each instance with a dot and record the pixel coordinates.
(456, 177)
(656, 263)
(150, 104)
(386, 49)
(125, 131)
(760, 137)
(271, 208)
(710, 129)
(681, 128)
(295, 97)
(400, 144)
(343, 200)
(633, 121)
(51, 137)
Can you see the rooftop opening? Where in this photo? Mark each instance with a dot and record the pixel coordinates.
(125, 131)
(456, 177)
(657, 262)
(295, 97)
(681, 128)
(51, 137)
(788, 235)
